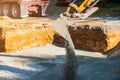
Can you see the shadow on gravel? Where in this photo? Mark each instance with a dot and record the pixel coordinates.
(89, 68)
(15, 70)
(114, 52)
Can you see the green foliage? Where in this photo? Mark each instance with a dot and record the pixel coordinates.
(103, 1)
(109, 9)
(108, 3)
(53, 9)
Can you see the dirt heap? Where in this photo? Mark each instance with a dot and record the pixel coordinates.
(25, 33)
(98, 35)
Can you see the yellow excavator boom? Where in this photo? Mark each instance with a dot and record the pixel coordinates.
(84, 5)
(85, 9)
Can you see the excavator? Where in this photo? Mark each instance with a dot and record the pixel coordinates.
(82, 12)
(61, 25)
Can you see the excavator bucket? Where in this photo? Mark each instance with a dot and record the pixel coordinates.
(61, 26)
(83, 12)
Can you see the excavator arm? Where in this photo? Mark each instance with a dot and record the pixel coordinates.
(82, 12)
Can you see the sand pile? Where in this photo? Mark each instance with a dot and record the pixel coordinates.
(25, 33)
(96, 35)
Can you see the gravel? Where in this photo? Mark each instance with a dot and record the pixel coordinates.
(45, 63)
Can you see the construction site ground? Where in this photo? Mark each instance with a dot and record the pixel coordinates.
(46, 62)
